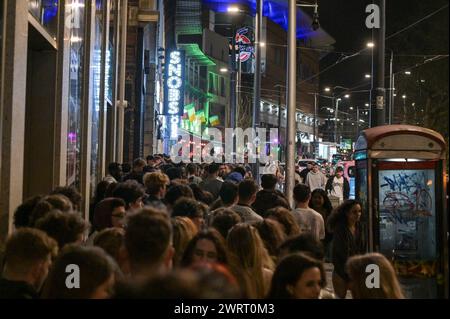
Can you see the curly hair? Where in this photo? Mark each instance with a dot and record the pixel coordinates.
(338, 217)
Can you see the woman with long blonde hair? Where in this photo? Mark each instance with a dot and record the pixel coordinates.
(250, 261)
(389, 286)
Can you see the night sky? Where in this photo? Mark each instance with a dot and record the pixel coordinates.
(344, 20)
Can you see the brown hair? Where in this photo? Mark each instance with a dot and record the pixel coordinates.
(110, 240)
(49, 203)
(247, 259)
(65, 228)
(286, 219)
(147, 237)
(95, 268)
(389, 285)
(271, 234)
(183, 231)
(212, 235)
(27, 246)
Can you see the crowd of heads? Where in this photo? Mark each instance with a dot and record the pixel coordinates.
(157, 229)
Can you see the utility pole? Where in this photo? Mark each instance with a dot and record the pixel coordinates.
(377, 95)
(257, 81)
(314, 125)
(357, 122)
(291, 100)
(279, 123)
(336, 119)
(233, 79)
(391, 89)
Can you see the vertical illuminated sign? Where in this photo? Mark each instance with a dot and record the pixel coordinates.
(174, 92)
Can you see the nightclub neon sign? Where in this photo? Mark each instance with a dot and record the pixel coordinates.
(174, 92)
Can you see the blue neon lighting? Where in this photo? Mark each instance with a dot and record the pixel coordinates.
(275, 10)
(50, 8)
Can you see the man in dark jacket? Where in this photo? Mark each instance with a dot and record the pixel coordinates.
(28, 255)
(337, 185)
(269, 197)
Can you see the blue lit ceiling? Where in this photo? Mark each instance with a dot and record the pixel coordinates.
(275, 10)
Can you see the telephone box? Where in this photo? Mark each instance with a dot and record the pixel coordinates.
(400, 182)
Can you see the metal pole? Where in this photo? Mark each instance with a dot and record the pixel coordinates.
(393, 98)
(291, 100)
(257, 81)
(233, 79)
(122, 103)
(391, 86)
(238, 86)
(279, 122)
(314, 126)
(357, 122)
(404, 111)
(377, 104)
(336, 120)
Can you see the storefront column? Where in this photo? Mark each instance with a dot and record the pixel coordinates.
(86, 109)
(62, 98)
(13, 111)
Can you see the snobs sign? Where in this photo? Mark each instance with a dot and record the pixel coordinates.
(174, 92)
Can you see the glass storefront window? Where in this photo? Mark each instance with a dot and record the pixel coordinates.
(95, 87)
(76, 8)
(110, 53)
(46, 12)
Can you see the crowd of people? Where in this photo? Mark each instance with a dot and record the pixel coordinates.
(156, 229)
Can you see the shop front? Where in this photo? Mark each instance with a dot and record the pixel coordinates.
(60, 76)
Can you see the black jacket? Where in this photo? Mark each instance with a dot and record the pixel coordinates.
(267, 199)
(329, 186)
(16, 290)
(345, 245)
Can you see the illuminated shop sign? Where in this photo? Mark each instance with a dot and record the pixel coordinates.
(174, 92)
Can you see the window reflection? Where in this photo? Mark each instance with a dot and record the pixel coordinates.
(95, 87)
(46, 12)
(76, 11)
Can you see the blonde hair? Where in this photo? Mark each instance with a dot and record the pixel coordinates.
(248, 258)
(154, 181)
(184, 230)
(389, 284)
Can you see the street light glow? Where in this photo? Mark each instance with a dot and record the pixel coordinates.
(367, 76)
(370, 44)
(403, 96)
(367, 104)
(262, 44)
(408, 72)
(327, 89)
(351, 108)
(223, 70)
(347, 96)
(233, 9)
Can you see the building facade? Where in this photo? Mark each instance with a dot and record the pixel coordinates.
(59, 92)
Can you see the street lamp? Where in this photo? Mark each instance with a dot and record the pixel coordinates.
(370, 44)
(223, 70)
(367, 76)
(233, 9)
(404, 108)
(327, 89)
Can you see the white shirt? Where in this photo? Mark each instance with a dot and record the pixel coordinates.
(310, 222)
(338, 188)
